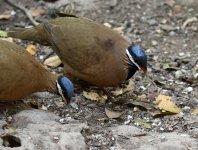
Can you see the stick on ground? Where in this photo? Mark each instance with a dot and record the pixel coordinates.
(23, 9)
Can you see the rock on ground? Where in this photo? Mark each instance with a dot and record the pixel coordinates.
(36, 129)
(132, 138)
(41, 130)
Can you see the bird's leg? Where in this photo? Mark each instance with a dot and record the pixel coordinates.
(68, 74)
(110, 96)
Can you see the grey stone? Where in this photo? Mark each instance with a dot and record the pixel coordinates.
(129, 137)
(41, 130)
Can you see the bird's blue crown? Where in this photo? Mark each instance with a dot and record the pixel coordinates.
(66, 86)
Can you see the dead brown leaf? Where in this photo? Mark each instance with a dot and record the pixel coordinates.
(170, 2)
(168, 67)
(119, 29)
(178, 8)
(189, 21)
(165, 104)
(37, 12)
(142, 123)
(31, 49)
(107, 24)
(53, 61)
(92, 95)
(141, 105)
(9, 39)
(3, 16)
(129, 87)
(158, 113)
(112, 114)
(195, 111)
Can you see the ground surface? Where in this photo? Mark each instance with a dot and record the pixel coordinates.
(168, 31)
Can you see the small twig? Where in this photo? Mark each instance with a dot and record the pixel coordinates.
(194, 64)
(140, 134)
(23, 9)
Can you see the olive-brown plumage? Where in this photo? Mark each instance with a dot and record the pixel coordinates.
(88, 50)
(21, 75)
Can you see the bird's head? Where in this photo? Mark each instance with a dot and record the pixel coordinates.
(65, 88)
(137, 58)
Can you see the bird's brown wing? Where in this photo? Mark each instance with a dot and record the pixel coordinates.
(19, 73)
(82, 43)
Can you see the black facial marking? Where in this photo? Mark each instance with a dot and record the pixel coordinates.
(62, 87)
(131, 70)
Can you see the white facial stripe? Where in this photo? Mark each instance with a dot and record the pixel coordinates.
(131, 59)
(60, 90)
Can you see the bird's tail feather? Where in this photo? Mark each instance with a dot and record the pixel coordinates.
(32, 34)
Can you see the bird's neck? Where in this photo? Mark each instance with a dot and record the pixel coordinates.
(51, 83)
(131, 71)
(132, 68)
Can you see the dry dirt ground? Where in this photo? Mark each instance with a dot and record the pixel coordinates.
(167, 30)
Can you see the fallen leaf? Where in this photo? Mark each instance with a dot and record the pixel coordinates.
(164, 66)
(53, 61)
(107, 24)
(158, 113)
(112, 114)
(31, 49)
(92, 95)
(178, 8)
(141, 105)
(169, 68)
(119, 29)
(119, 91)
(102, 119)
(3, 34)
(160, 83)
(195, 111)
(9, 39)
(170, 2)
(165, 104)
(189, 21)
(5, 16)
(37, 12)
(142, 123)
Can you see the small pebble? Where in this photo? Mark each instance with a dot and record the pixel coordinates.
(163, 138)
(164, 21)
(181, 54)
(142, 88)
(154, 43)
(162, 129)
(9, 119)
(56, 138)
(74, 105)
(172, 33)
(188, 90)
(186, 108)
(129, 118)
(195, 76)
(41, 57)
(184, 135)
(63, 121)
(136, 109)
(43, 107)
(179, 74)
